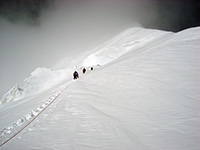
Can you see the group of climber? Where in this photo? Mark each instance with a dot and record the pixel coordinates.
(76, 75)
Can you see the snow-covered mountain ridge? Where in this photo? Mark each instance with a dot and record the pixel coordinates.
(132, 39)
(145, 96)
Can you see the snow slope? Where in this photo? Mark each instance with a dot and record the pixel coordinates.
(145, 96)
(13, 94)
(40, 80)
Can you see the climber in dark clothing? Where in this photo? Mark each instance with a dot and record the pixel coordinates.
(75, 74)
(84, 70)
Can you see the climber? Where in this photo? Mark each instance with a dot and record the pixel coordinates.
(75, 74)
(91, 68)
(84, 70)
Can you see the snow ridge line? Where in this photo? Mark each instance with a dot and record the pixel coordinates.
(19, 122)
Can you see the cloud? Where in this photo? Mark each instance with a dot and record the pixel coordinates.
(22, 10)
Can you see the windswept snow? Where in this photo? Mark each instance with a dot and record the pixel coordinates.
(145, 96)
(8, 133)
(132, 39)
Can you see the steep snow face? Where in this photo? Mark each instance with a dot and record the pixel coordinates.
(147, 98)
(132, 39)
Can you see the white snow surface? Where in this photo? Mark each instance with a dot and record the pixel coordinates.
(40, 80)
(145, 96)
(13, 94)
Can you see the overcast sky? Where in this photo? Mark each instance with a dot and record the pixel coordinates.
(41, 33)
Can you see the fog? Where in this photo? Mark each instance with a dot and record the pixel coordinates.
(64, 29)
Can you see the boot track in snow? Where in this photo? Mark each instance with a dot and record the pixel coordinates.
(18, 126)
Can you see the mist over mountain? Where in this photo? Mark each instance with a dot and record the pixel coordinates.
(143, 92)
(22, 10)
(164, 15)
